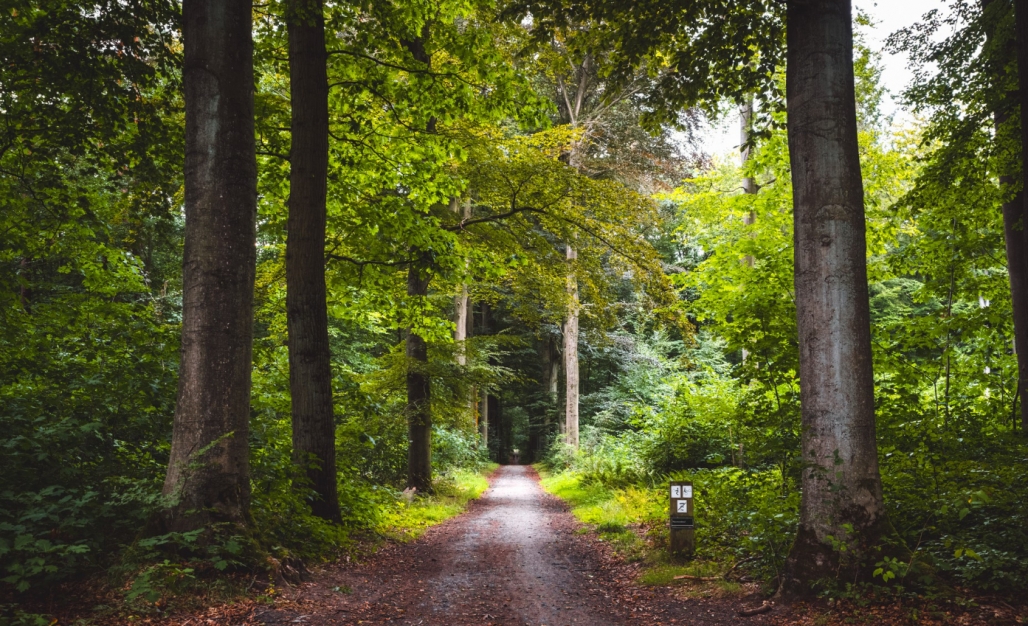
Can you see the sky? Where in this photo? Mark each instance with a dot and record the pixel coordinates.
(889, 16)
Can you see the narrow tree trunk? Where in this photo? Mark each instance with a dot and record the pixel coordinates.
(483, 418)
(571, 357)
(483, 402)
(460, 323)
(419, 415)
(749, 184)
(1021, 206)
(1017, 272)
(310, 369)
(551, 384)
(24, 291)
(208, 472)
(555, 379)
(842, 493)
(462, 318)
(501, 428)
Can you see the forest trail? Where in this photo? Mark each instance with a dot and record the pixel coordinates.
(513, 558)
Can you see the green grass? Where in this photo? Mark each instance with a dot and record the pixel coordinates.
(664, 574)
(613, 512)
(453, 491)
(608, 511)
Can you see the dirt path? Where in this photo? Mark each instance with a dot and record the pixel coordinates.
(513, 558)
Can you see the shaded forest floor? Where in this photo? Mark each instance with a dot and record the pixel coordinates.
(518, 557)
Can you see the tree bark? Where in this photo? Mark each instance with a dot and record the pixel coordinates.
(310, 369)
(749, 184)
(419, 415)
(483, 418)
(842, 492)
(571, 357)
(462, 303)
(483, 402)
(1017, 272)
(551, 385)
(208, 473)
(1020, 206)
(460, 322)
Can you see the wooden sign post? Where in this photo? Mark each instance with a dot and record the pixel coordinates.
(683, 541)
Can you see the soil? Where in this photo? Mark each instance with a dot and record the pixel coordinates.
(515, 557)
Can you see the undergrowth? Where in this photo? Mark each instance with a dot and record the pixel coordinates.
(406, 520)
(743, 522)
(181, 570)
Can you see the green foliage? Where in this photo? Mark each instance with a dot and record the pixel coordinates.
(406, 519)
(451, 152)
(156, 581)
(724, 411)
(88, 249)
(748, 516)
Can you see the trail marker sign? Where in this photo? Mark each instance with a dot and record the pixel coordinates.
(683, 513)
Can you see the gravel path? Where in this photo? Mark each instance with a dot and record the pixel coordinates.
(514, 558)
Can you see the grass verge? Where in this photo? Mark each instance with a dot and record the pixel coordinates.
(407, 521)
(633, 520)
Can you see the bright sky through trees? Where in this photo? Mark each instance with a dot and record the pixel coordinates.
(888, 16)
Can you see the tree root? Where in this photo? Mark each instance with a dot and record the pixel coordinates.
(763, 608)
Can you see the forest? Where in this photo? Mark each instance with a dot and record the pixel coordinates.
(283, 283)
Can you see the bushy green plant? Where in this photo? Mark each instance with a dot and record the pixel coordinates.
(84, 415)
(456, 449)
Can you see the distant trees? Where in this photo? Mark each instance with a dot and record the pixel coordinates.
(208, 477)
(978, 143)
(841, 486)
(608, 143)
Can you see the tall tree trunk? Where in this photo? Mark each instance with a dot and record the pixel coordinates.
(1021, 206)
(461, 302)
(208, 473)
(419, 415)
(842, 492)
(310, 369)
(551, 384)
(462, 317)
(460, 322)
(501, 428)
(1017, 271)
(483, 419)
(749, 184)
(1014, 214)
(483, 401)
(571, 356)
